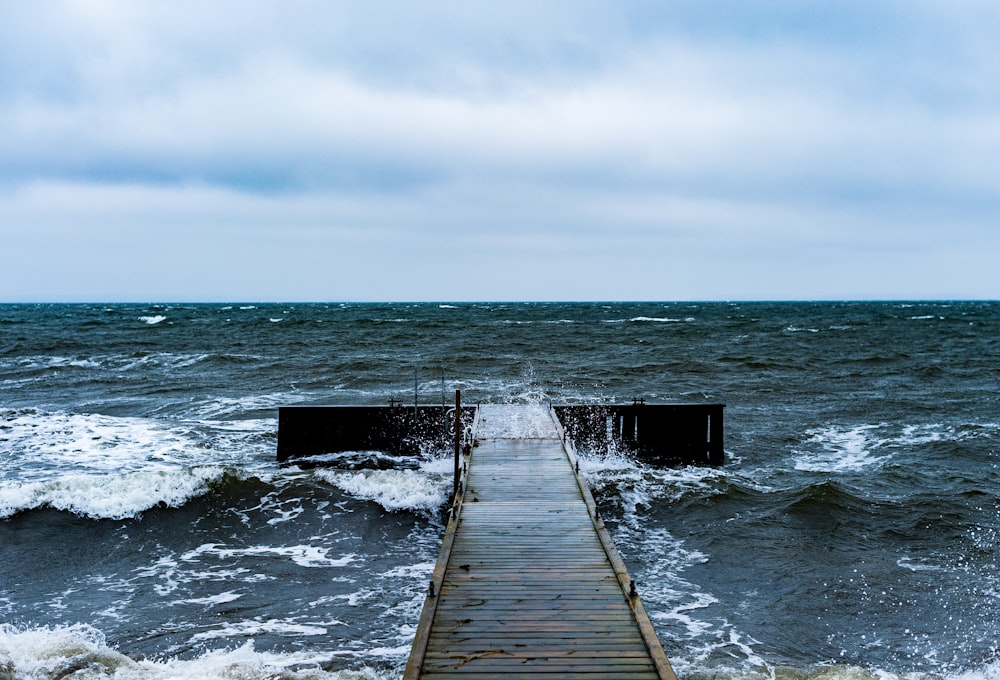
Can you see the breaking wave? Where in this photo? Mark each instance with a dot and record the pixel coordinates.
(112, 496)
(82, 651)
(424, 489)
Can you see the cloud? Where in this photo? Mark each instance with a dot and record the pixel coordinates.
(679, 115)
(664, 135)
(672, 118)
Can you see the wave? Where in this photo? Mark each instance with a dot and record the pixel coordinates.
(856, 448)
(652, 319)
(357, 460)
(622, 479)
(709, 635)
(674, 525)
(38, 366)
(827, 500)
(51, 653)
(219, 407)
(302, 555)
(81, 650)
(44, 446)
(112, 496)
(153, 320)
(842, 449)
(828, 671)
(424, 490)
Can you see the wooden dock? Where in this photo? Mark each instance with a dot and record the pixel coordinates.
(528, 583)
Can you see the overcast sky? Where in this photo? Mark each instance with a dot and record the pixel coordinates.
(660, 150)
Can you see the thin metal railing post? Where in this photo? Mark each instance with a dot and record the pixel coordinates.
(458, 438)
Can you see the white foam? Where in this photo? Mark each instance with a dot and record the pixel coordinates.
(247, 425)
(86, 442)
(842, 449)
(679, 613)
(302, 555)
(919, 565)
(170, 575)
(989, 672)
(928, 433)
(110, 496)
(637, 484)
(679, 604)
(286, 515)
(153, 320)
(853, 448)
(356, 599)
(917, 435)
(221, 598)
(350, 459)
(410, 571)
(65, 651)
(422, 489)
(226, 406)
(515, 421)
(652, 319)
(284, 627)
(45, 447)
(57, 362)
(671, 600)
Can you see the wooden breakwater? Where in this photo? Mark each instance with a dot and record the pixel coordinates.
(656, 433)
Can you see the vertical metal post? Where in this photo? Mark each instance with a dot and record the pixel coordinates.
(458, 438)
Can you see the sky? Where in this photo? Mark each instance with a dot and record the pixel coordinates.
(317, 150)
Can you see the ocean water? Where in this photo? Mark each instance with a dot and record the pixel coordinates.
(146, 530)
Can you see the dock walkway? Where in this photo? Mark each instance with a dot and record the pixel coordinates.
(528, 583)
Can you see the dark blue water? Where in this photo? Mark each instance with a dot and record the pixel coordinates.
(147, 531)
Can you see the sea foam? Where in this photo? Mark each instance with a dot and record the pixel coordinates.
(392, 489)
(841, 449)
(83, 651)
(110, 496)
(302, 555)
(88, 442)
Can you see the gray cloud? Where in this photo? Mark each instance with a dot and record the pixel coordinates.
(823, 151)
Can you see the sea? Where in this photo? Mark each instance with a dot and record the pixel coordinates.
(148, 531)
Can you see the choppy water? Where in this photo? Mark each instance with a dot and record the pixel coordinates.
(146, 530)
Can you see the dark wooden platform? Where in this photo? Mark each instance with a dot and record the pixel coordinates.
(528, 583)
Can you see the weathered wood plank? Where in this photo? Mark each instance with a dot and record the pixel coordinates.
(541, 675)
(557, 638)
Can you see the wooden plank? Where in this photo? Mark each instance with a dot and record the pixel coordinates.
(541, 675)
(500, 663)
(513, 637)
